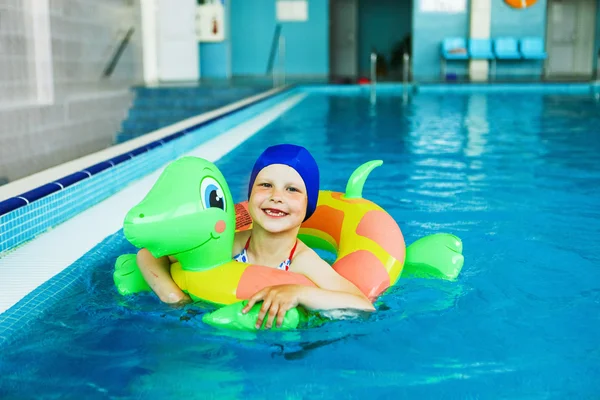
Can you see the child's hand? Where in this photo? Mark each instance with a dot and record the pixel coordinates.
(277, 300)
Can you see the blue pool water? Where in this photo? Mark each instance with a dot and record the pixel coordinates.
(515, 176)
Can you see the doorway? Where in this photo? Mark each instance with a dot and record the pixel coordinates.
(570, 38)
(343, 29)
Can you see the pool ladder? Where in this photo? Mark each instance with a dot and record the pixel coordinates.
(596, 82)
(279, 78)
(373, 77)
(405, 76)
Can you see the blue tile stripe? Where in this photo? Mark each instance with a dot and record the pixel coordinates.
(24, 217)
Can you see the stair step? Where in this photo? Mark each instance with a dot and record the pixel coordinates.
(146, 126)
(197, 91)
(156, 108)
(142, 112)
(179, 102)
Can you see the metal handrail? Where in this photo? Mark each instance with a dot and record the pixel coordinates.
(277, 71)
(373, 67)
(118, 52)
(596, 82)
(596, 79)
(598, 66)
(282, 59)
(373, 76)
(273, 52)
(405, 70)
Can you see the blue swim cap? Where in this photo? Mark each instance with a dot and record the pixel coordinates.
(298, 158)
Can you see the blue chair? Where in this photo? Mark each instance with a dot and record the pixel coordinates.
(506, 48)
(453, 48)
(481, 49)
(532, 48)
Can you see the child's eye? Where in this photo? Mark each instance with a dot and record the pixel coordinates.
(264, 184)
(292, 189)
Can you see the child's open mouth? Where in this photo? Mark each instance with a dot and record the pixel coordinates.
(272, 212)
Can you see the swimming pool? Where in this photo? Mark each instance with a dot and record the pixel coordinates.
(515, 175)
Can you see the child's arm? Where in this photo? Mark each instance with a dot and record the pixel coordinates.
(156, 272)
(333, 291)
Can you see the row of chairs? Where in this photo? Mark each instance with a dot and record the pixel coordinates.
(501, 48)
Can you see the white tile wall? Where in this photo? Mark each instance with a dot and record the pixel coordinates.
(87, 109)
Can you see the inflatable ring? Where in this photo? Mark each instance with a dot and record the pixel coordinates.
(189, 213)
(520, 3)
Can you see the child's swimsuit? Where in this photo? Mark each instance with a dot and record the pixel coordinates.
(243, 256)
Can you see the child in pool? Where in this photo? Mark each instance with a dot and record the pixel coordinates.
(282, 192)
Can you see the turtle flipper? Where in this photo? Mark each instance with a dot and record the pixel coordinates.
(128, 277)
(231, 317)
(434, 256)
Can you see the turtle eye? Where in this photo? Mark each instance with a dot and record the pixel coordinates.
(211, 194)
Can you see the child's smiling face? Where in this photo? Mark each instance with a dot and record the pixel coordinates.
(278, 199)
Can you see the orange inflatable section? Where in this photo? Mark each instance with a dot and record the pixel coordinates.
(382, 229)
(366, 271)
(327, 219)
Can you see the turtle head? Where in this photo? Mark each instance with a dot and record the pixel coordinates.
(189, 209)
